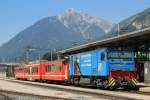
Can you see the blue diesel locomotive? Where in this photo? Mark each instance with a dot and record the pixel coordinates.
(104, 67)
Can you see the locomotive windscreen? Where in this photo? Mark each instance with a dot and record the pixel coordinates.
(124, 55)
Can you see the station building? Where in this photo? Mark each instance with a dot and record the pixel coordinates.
(7, 69)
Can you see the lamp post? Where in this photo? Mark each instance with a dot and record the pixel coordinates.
(39, 56)
(27, 56)
(52, 52)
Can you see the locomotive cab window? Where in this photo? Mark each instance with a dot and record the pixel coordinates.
(102, 56)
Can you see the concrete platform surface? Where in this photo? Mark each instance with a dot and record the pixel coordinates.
(144, 87)
(22, 88)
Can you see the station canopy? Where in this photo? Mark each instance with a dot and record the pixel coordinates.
(136, 39)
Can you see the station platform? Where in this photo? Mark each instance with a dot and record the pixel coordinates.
(144, 87)
(65, 91)
(57, 94)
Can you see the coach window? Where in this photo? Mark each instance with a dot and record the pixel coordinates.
(24, 71)
(21, 70)
(46, 68)
(32, 70)
(35, 70)
(102, 56)
(49, 68)
(28, 71)
(52, 68)
(59, 68)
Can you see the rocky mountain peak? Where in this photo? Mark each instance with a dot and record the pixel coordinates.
(70, 16)
(136, 22)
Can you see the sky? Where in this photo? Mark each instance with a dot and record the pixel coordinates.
(16, 15)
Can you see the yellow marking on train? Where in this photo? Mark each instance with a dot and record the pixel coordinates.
(111, 82)
(135, 80)
(134, 83)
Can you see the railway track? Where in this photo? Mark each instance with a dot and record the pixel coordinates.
(86, 91)
(121, 90)
(135, 92)
(11, 95)
(4, 97)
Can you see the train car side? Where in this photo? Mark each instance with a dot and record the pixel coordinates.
(55, 71)
(88, 65)
(51, 71)
(22, 72)
(19, 72)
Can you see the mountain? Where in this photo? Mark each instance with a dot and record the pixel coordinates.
(82, 22)
(55, 32)
(133, 23)
(47, 33)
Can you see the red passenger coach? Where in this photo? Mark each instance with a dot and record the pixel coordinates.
(19, 72)
(50, 71)
(22, 72)
(27, 72)
(55, 70)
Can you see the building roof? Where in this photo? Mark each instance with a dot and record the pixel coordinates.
(131, 39)
(9, 64)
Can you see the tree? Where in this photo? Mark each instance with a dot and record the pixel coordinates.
(50, 56)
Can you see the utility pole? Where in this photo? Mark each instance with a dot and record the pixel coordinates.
(27, 56)
(118, 29)
(39, 56)
(51, 56)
